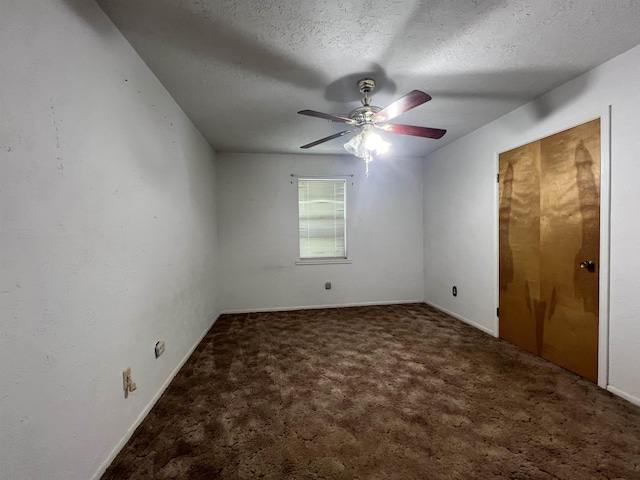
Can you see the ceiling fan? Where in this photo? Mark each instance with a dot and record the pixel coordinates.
(364, 119)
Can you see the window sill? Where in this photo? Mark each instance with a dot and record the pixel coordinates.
(329, 261)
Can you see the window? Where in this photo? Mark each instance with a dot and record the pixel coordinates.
(322, 219)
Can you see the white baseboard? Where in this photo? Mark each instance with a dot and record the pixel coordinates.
(360, 304)
(626, 396)
(149, 406)
(463, 319)
(316, 307)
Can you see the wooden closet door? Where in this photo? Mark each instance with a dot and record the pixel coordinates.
(549, 232)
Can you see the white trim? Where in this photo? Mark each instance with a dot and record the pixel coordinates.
(150, 405)
(462, 319)
(312, 261)
(496, 244)
(319, 307)
(322, 176)
(624, 395)
(605, 235)
(605, 248)
(323, 262)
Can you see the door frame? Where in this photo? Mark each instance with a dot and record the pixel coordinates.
(605, 229)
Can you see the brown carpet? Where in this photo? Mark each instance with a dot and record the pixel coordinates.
(384, 392)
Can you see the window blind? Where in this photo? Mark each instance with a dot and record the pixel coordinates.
(322, 218)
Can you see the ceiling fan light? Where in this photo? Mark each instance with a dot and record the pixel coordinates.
(355, 146)
(371, 141)
(383, 148)
(365, 144)
(374, 143)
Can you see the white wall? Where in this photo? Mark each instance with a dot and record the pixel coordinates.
(258, 228)
(460, 198)
(107, 238)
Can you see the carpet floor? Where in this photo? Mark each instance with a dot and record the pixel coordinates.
(381, 392)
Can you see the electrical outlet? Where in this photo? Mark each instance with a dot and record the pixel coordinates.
(126, 378)
(454, 291)
(127, 383)
(159, 348)
(327, 285)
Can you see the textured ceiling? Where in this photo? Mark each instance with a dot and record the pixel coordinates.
(241, 69)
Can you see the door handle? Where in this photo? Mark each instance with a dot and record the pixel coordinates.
(589, 265)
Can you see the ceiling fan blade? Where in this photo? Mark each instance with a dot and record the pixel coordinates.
(326, 139)
(326, 116)
(425, 132)
(409, 101)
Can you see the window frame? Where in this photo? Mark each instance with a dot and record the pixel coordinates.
(322, 260)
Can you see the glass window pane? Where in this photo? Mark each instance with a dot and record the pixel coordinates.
(322, 218)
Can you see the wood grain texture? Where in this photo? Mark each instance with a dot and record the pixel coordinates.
(570, 230)
(519, 239)
(550, 224)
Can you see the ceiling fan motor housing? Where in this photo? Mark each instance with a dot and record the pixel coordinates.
(364, 115)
